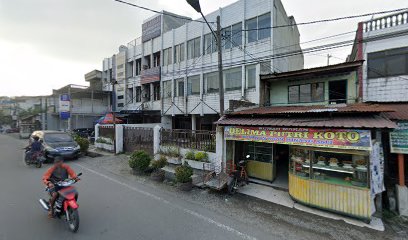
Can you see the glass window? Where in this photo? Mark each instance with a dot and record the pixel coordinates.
(376, 68)
(182, 52)
(177, 54)
(196, 47)
(392, 62)
(264, 26)
(236, 34)
(179, 87)
(130, 95)
(190, 49)
(251, 76)
(397, 65)
(261, 152)
(251, 26)
(167, 89)
(167, 57)
(226, 41)
(193, 85)
(121, 105)
(305, 93)
(293, 94)
(120, 97)
(233, 79)
(156, 91)
(207, 44)
(212, 82)
(299, 161)
(317, 92)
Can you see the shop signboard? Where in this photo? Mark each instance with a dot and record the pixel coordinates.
(329, 138)
(399, 139)
(64, 106)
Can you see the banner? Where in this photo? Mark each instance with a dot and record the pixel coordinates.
(328, 138)
(64, 106)
(399, 139)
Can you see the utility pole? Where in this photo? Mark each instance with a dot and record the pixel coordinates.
(70, 114)
(114, 115)
(328, 58)
(217, 35)
(220, 72)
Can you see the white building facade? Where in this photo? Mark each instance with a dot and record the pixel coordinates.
(173, 68)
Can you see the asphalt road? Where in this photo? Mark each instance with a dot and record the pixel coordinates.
(110, 207)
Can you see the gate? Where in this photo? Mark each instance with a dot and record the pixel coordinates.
(137, 138)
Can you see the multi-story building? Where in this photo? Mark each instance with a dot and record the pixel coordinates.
(172, 67)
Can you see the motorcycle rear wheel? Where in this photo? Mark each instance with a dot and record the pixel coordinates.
(232, 188)
(38, 164)
(73, 223)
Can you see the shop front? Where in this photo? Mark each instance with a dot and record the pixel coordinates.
(324, 168)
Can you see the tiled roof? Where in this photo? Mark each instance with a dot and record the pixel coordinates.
(282, 110)
(371, 121)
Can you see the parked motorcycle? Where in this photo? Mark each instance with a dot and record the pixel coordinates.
(66, 206)
(238, 177)
(36, 159)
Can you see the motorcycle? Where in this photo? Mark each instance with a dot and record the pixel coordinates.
(36, 159)
(238, 177)
(66, 206)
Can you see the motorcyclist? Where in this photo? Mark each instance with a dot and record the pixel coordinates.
(56, 173)
(35, 147)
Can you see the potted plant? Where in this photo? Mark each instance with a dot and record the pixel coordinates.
(190, 155)
(158, 173)
(201, 157)
(83, 144)
(173, 154)
(183, 177)
(139, 162)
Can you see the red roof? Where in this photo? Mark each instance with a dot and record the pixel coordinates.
(371, 121)
(401, 111)
(352, 108)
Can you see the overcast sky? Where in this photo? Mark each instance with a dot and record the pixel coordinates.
(47, 44)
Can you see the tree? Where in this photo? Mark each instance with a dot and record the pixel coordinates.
(4, 119)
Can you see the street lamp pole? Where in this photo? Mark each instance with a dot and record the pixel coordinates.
(113, 113)
(217, 35)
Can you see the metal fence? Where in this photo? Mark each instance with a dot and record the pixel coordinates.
(106, 132)
(198, 140)
(137, 138)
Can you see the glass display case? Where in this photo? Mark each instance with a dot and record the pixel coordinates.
(335, 166)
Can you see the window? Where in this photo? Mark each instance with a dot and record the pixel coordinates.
(338, 92)
(130, 69)
(264, 26)
(392, 62)
(306, 93)
(138, 94)
(167, 89)
(147, 62)
(210, 44)
(177, 54)
(261, 152)
(156, 59)
(233, 79)
(226, 38)
(179, 87)
(236, 34)
(156, 91)
(212, 82)
(120, 97)
(252, 33)
(120, 66)
(251, 76)
(121, 105)
(182, 52)
(293, 94)
(193, 85)
(258, 28)
(167, 57)
(138, 66)
(193, 48)
(130, 95)
(146, 90)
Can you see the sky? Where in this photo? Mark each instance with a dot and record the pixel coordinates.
(47, 44)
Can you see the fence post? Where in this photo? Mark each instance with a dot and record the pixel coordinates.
(96, 131)
(156, 139)
(119, 138)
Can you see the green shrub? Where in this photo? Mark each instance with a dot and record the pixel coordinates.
(83, 143)
(140, 160)
(184, 173)
(201, 156)
(161, 163)
(190, 155)
(171, 152)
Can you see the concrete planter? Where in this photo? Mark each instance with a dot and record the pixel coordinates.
(185, 187)
(195, 164)
(105, 146)
(175, 161)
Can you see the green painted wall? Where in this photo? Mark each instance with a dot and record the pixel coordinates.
(279, 90)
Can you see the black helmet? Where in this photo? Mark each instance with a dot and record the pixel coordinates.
(36, 138)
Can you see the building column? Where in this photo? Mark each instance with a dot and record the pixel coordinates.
(193, 122)
(401, 189)
(401, 170)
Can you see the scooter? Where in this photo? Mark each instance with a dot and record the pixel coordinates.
(66, 206)
(36, 159)
(238, 177)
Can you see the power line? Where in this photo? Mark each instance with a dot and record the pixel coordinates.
(159, 12)
(328, 20)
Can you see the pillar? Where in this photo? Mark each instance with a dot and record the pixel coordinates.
(401, 170)
(119, 138)
(220, 147)
(156, 139)
(193, 122)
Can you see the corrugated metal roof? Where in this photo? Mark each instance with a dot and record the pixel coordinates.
(352, 108)
(373, 121)
(401, 111)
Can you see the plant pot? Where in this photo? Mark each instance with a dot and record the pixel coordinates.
(157, 175)
(185, 187)
(174, 161)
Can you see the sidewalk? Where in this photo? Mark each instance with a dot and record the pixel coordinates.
(283, 198)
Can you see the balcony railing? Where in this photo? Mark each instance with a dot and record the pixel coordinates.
(386, 22)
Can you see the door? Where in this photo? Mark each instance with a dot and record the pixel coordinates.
(260, 161)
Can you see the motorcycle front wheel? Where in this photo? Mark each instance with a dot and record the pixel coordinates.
(38, 164)
(26, 161)
(73, 222)
(232, 187)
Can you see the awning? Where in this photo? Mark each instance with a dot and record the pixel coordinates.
(373, 121)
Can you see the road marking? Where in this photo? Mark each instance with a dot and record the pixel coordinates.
(193, 213)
